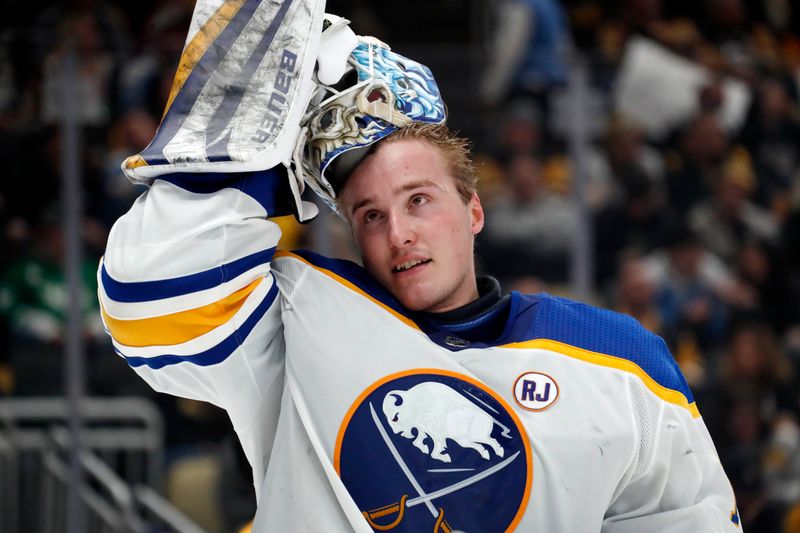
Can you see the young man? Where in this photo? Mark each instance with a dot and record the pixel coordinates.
(406, 395)
(414, 221)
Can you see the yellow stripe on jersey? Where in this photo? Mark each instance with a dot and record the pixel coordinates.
(349, 285)
(177, 328)
(200, 43)
(669, 395)
(135, 161)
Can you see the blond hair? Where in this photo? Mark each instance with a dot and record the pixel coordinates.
(455, 148)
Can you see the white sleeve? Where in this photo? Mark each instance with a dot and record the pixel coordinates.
(189, 301)
(676, 482)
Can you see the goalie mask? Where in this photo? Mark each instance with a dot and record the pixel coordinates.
(381, 92)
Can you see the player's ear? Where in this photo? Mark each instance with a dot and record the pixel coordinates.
(476, 212)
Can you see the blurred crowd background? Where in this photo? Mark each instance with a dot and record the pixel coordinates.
(690, 182)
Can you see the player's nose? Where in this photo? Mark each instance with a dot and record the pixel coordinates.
(401, 231)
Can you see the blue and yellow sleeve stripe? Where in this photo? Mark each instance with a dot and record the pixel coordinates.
(200, 331)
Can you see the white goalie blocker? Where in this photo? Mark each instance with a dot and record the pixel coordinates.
(265, 83)
(244, 81)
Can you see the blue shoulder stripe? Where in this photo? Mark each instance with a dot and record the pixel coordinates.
(145, 291)
(609, 333)
(264, 186)
(216, 354)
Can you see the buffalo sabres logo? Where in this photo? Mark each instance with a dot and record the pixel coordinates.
(430, 450)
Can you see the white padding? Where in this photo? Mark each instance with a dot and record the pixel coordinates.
(336, 44)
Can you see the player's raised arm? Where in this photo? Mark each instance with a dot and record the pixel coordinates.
(185, 284)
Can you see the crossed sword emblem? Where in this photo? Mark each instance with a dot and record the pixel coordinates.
(422, 497)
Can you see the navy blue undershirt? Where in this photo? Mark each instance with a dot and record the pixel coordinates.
(482, 320)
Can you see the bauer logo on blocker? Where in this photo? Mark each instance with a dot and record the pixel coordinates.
(535, 391)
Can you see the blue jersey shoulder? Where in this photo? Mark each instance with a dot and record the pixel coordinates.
(609, 333)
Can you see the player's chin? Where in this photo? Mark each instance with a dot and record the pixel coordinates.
(414, 298)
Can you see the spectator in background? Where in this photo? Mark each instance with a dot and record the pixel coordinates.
(635, 293)
(728, 219)
(772, 135)
(109, 21)
(701, 146)
(726, 25)
(94, 74)
(145, 80)
(763, 269)
(781, 463)
(45, 147)
(746, 433)
(690, 284)
(17, 86)
(751, 411)
(754, 367)
(528, 229)
(520, 130)
(127, 135)
(33, 296)
(790, 244)
(622, 161)
(638, 222)
(529, 52)
(516, 132)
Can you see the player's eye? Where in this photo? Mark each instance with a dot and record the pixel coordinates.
(371, 216)
(418, 200)
(396, 417)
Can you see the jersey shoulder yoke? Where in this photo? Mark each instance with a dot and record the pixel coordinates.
(609, 335)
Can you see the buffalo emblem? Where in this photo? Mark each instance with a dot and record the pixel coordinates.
(439, 412)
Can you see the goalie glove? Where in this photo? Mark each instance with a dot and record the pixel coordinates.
(244, 81)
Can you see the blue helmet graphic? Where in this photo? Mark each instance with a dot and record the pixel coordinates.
(382, 92)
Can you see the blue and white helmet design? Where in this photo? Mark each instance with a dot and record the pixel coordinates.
(381, 92)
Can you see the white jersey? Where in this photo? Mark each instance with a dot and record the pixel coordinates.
(357, 416)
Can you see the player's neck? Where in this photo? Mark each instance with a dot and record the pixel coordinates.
(488, 295)
(481, 320)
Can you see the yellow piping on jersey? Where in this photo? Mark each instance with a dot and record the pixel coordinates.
(669, 395)
(135, 161)
(199, 44)
(177, 328)
(407, 321)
